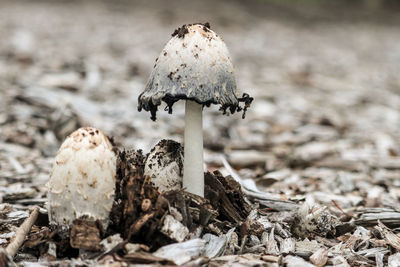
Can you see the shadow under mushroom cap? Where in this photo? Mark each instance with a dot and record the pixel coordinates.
(194, 65)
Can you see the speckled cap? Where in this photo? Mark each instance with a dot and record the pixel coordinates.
(194, 65)
(82, 182)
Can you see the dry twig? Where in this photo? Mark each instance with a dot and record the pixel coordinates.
(22, 231)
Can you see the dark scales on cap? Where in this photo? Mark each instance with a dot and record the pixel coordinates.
(181, 31)
(194, 65)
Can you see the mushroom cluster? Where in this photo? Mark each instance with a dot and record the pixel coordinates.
(194, 66)
(82, 182)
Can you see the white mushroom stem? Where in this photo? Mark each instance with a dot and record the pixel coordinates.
(193, 173)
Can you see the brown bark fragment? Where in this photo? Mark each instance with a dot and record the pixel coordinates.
(85, 235)
(146, 258)
(226, 196)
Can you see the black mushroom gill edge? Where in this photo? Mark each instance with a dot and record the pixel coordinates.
(171, 99)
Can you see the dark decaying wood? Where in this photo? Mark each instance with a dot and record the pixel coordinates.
(226, 196)
(140, 210)
(39, 235)
(139, 206)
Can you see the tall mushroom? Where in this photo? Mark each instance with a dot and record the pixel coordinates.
(194, 66)
(82, 182)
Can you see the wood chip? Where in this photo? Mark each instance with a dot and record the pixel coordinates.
(319, 257)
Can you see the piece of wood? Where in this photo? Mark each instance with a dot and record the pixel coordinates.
(146, 258)
(225, 198)
(319, 257)
(369, 217)
(389, 236)
(22, 232)
(85, 235)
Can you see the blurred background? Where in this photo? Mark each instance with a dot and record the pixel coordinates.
(324, 75)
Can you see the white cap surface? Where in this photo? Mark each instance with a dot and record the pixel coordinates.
(194, 65)
(164, 165)
(82, 182)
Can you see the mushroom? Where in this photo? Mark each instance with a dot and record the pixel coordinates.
(194, 66)
(82, 182)
(164, 165)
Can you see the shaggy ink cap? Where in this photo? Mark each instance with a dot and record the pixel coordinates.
(82, 181)
(194, 65)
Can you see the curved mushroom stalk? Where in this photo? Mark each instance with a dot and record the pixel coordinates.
(193, 173)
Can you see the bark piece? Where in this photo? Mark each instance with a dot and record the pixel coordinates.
(39, 236)
(85, 235)
(5, 259)
(226, 196)
(390, 237)
(215, 245)
(394, 260)
(288, 245)
(181, 253)
(146, 258)
(370, 216)
(319, 257)
(293, 261)
(174, 229)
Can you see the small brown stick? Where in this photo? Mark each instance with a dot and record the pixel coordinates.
(139, 224)
(22, 232)
(339, 208)
(244, 241)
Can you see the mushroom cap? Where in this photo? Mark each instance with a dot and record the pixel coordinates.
(164, 165)
(194, 65)
(82, 182)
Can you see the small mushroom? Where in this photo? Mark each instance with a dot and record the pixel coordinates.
(82, 182)
(164, 165)
(194, 66)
